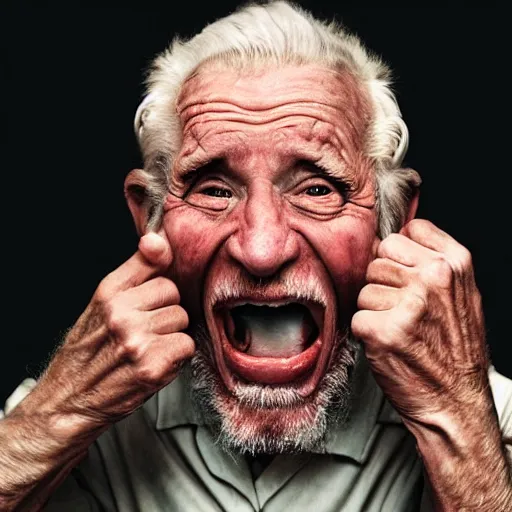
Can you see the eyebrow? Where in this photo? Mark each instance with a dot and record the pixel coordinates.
(340, 178)
(199, 168)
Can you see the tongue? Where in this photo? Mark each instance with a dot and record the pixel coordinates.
(264, 331)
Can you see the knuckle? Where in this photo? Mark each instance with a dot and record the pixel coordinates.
(464, 258)
(132, 349)
(378, 337)
(437, 272)
(357, 324)
(150, 375)
(361, 325)
(415, 305)
(102, 294)
(370, 268)
(361, 300)
(115, 318)
(389, 336)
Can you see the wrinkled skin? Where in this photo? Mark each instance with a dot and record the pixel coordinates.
(251, 210)
(271, 222)
(423, 329)
(261, 209)
(421, 316)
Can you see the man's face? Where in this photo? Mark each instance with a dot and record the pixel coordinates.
(271, 216)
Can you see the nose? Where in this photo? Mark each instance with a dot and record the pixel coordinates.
(263, 243)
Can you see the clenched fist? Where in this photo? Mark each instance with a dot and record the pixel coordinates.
(125, 346)
(422, 326)
(422, 323)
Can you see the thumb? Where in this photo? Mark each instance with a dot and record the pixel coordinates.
(156, 249)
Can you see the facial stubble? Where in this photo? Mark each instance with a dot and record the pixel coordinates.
(262, 419)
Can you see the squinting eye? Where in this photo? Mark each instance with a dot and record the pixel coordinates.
(217, 192)
(318, 190)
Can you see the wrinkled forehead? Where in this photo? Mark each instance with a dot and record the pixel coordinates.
(262, 88)
(266, 100)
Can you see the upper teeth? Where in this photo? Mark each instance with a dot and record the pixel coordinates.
(273, 304)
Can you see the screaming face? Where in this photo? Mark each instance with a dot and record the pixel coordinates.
(271, 216)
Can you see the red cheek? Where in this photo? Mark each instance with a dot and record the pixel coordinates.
(192, 243)
(195, 238)
(347, 256)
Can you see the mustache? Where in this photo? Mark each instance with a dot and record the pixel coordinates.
(292, 285)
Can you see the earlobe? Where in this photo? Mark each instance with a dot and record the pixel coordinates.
(135, 192)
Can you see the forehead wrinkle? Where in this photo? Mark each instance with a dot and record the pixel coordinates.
(345, 124)
(334, 121)
(225, 104)
(308, 110)
(286, 151)
(310, 126)
(268, 85)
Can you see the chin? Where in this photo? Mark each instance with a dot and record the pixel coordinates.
(273, 369)
(272, 419)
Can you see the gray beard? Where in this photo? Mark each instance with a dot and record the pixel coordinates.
(260, 419)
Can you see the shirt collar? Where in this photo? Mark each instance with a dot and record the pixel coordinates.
(174, 407)
(353, 439)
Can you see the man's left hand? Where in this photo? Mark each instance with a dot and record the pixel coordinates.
(422, 325)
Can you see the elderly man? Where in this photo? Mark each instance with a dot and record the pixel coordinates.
(286, 337)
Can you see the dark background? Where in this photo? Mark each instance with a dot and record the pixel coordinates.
(74, 80)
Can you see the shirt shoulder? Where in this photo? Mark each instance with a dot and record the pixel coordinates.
(501, 388)
(21, 391)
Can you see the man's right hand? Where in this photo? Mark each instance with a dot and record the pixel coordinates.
(127, 345)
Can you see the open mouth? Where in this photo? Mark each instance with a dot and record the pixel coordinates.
(274, 342)
(270, 331)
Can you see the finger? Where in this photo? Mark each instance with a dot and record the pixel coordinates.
(164, 358)
(155, 248)
(378, 297)
(156, 293)
(174, 348)
(387, 272)
(427, 234)
(403, 250)
(167, 320)
(367, 325)
(153, 257)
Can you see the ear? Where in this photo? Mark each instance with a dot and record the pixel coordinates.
(413, 205)
(135, 192)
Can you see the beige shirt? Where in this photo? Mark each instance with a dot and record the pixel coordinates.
(161, 458)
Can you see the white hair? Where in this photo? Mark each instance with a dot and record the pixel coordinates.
(281, 33)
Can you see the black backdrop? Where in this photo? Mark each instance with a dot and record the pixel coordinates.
(74, 79)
